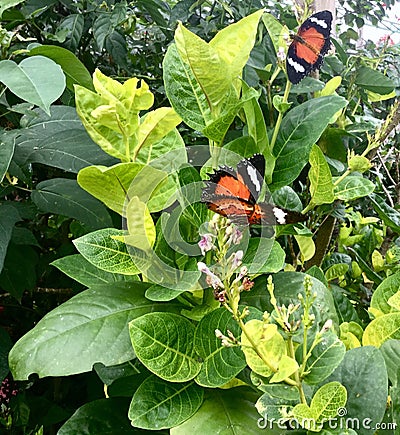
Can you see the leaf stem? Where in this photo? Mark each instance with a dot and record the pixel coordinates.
(280, 115)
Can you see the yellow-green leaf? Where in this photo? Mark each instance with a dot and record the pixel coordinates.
(381, 329)
(286, 367)
(307, 247)
(157, 124)
(270, 344)
(141, 229)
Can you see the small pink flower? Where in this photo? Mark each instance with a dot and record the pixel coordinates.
(212, 280)
(237, 259)
(206, 243)
(235, 237)
(281, 54)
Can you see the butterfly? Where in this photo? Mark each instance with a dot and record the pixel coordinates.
(234, 194)
(309, 45)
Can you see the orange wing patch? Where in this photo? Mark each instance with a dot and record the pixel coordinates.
(230, 186)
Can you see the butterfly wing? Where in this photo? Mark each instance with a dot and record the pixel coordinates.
(309, 45)
(251, 171)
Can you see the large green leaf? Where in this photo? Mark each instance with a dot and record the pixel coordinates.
(105, 252)
(90, 327)
(224, 412)
(38, 80)
(163, 343)
(363, 373)
(373, 80)
(81, 270)
(9, 216)
(219, 364)
(116, 185)
(183, 91)
(100, 417)
(57, 140)
(264, 256)
(63, 196)
(74, 70)
(157, 404)
(300, 129)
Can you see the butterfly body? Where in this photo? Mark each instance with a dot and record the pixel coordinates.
(309, 46)
(234, 194)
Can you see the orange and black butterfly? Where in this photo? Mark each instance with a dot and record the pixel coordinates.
(234, 194)
(309, 46)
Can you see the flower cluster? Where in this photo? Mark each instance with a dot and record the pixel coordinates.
(221, 235)
(7, 390)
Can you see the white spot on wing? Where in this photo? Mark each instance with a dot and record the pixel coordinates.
(253, 177)
(280, 215)
(299, 68)
(321, 23)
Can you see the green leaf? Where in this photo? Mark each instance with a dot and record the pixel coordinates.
(353, 187)
(324, 359)
(90, 327)
(389, 215)
(140, 225)
(344, 307)
(306, 246)
(105, 252)
(183, 91)
(224, 411)
(157, 404)
(74, 70)
(270, 345)
(324, 406)
(100, 417)
(286, 367)
(7, 4)
(381, 329)
(363, 374)
(373, 80)
(72, 27)
(116, 184)
(274, 28)
(63, 196)
(163, 343)
(300, 129)
(321, 186)
(58, 140)
(9, 216)
(219, 364)
(79, 269)
(385, 290)
(336, 271)
(6, 153)
(37, 79)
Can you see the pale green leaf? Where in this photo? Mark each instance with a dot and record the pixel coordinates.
(381, 329)
(286, 367)
(140, 225)
(38, 80)
(270, 344)
(115, 185)
(321, 186)
(353, 187)
(385, 290)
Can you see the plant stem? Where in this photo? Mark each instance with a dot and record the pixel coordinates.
(299, 386)
(280, 116)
